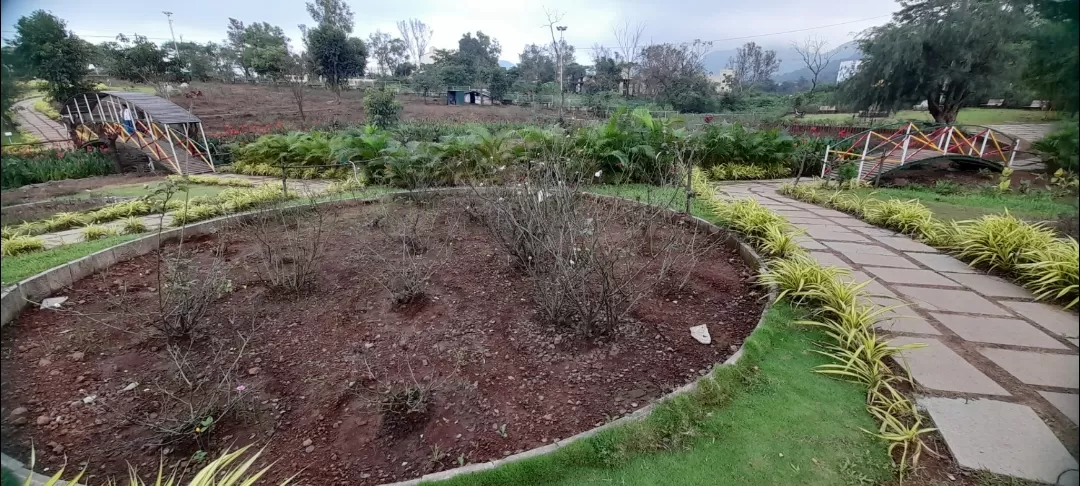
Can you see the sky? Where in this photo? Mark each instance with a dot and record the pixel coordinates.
(513, 24)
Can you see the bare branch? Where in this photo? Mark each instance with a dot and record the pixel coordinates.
(815, 56)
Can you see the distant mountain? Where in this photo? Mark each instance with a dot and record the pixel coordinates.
(506, 64)
(791, 65)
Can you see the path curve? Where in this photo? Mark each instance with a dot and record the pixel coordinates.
(40, 126)
(1000, 373)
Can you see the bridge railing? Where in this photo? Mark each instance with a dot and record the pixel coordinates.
(894, 147)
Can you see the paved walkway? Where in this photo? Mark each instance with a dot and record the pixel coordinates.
(1000, 373)
(154, 221)
(41, 127)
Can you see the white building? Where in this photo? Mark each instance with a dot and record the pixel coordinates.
(847, 70)
(722, 80)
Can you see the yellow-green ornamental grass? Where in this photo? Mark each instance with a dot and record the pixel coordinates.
(843, 311)
(17, 245)
(1030, 252)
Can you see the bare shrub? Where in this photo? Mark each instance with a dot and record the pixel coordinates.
(579, 250)
(186, 288)
(411, 255)
(202, 392)
(291, 244)
(403, 404)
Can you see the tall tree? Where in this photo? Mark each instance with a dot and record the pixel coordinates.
(43, 48)
(388, 52)
(332, 13)
(234, 35)
(674, 74)
(940, 51)
(1053, 67)
(265, 50)
(815, 55)
(471, 63)
(417, 36)
(138, 60)
(335, 56)
(535, 67)
(752, 66)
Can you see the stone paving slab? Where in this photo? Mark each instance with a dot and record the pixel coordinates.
(832, 235)
(1003, 438)
(951, 300)
(809, 244)
(847, 248)
(807, 221)
(1034, 368)
(997, 330)
(939, 368)
(874, 287)
(875, 231)
(828, 259)
(991, 286)
(1058, 321)
(1067, 403)
(904, 243)
(881, 260)
(942, 263)
(902, 318)
(910, 276)
(830, 213)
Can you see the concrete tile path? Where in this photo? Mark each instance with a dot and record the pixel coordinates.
(1000, 373)
(154, 221)
(40, 126)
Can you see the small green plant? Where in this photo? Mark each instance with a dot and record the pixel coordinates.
(1063, 183)
(18, 245)
(846, 172)
(1005, 180)
(381, 108)
(133, 226)
(96, 232)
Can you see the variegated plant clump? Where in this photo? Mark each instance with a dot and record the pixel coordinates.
(841, 309)
(1032, 253)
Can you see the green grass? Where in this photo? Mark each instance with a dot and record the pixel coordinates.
(768, 420)
(16, 268)
(961, 206)
(970, 116)
(765, 420)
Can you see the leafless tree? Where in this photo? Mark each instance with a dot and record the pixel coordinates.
(554, 17)
(290, 241)
(660, 65)
(752, 65)
(629, 39)
(417, 36)
(297, 86)
(815, 56)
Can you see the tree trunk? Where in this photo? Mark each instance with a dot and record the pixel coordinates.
(116, 154)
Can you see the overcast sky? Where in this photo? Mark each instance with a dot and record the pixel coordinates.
(514, 25)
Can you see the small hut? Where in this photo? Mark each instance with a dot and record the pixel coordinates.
(467, 96)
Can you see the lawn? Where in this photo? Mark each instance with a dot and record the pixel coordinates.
(970, 116)
(767, 420)
(959, 206)
(18, 267)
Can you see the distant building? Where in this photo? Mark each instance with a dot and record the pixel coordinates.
(722, 80)
(847, 70)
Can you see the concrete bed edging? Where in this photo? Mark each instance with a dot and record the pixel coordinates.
(44, 284)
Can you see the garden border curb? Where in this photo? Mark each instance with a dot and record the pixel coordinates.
(17, 297)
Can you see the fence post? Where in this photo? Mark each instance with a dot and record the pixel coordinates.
(284, 187)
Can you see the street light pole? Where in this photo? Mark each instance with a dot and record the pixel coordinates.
(176, 50)
(562, 77)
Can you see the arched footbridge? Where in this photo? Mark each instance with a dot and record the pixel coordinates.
(171, 136)
(879, 151)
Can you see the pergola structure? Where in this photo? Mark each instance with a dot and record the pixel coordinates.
(161, 129)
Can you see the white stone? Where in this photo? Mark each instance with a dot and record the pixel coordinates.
(53, 302)
(701, 334)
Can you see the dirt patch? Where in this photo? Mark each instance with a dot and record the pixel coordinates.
(311, 376)
(231, 105)
(54, 189)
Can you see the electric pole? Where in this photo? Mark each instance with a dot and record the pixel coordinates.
(562, 78)
(176, 50)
